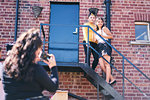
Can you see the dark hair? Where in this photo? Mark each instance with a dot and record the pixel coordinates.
(0, 48)
(93, 11)
(100, 18)
(20, 61)
(9, 47)
(91, 14)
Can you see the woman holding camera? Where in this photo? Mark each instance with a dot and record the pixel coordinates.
(23, 77)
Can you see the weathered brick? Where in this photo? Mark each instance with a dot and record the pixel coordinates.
(123, 15)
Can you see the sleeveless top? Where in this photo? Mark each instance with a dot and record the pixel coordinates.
(99, 39)
(91, 33)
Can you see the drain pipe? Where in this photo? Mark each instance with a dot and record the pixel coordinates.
(9, 46)
(16, 19)
(108, 3)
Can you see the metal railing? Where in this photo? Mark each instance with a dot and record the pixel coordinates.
(123, 57)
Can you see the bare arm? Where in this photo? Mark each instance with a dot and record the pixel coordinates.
(107, 31)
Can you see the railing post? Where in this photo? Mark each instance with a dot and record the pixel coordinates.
(88, 47)
(41, 28)
(44, 43)
(123, 76)
(97, 91)
(16, 19)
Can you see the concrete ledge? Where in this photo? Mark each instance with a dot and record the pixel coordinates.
(140, 42)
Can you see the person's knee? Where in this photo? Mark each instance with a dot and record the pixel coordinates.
(107, 64)
(102, 65)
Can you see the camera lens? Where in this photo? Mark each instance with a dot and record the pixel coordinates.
(44, 56)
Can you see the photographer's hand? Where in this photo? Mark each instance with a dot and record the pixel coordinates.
(51, 62)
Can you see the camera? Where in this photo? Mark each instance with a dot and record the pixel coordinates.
(45, 56)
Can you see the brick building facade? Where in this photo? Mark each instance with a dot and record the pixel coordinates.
(124, 14)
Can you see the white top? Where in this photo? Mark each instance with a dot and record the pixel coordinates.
(99, 39)
(1, 67)
(2, 93)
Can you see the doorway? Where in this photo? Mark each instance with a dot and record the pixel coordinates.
(63, 42)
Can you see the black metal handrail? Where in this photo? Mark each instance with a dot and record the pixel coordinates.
(88, 45)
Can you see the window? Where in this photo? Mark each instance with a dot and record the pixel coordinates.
(142, 33)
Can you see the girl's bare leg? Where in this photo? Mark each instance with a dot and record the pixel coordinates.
(108, 69)
(101, 61)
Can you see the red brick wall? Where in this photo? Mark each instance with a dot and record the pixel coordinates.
(123, 15)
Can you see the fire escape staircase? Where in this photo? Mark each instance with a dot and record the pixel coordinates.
(101, 85)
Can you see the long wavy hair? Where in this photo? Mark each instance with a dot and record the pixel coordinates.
(100, 18)
(20, 61)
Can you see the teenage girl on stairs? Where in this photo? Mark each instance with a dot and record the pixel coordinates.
(104, 49)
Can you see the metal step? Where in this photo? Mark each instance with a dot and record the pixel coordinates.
(104, 92)
(105, 88)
